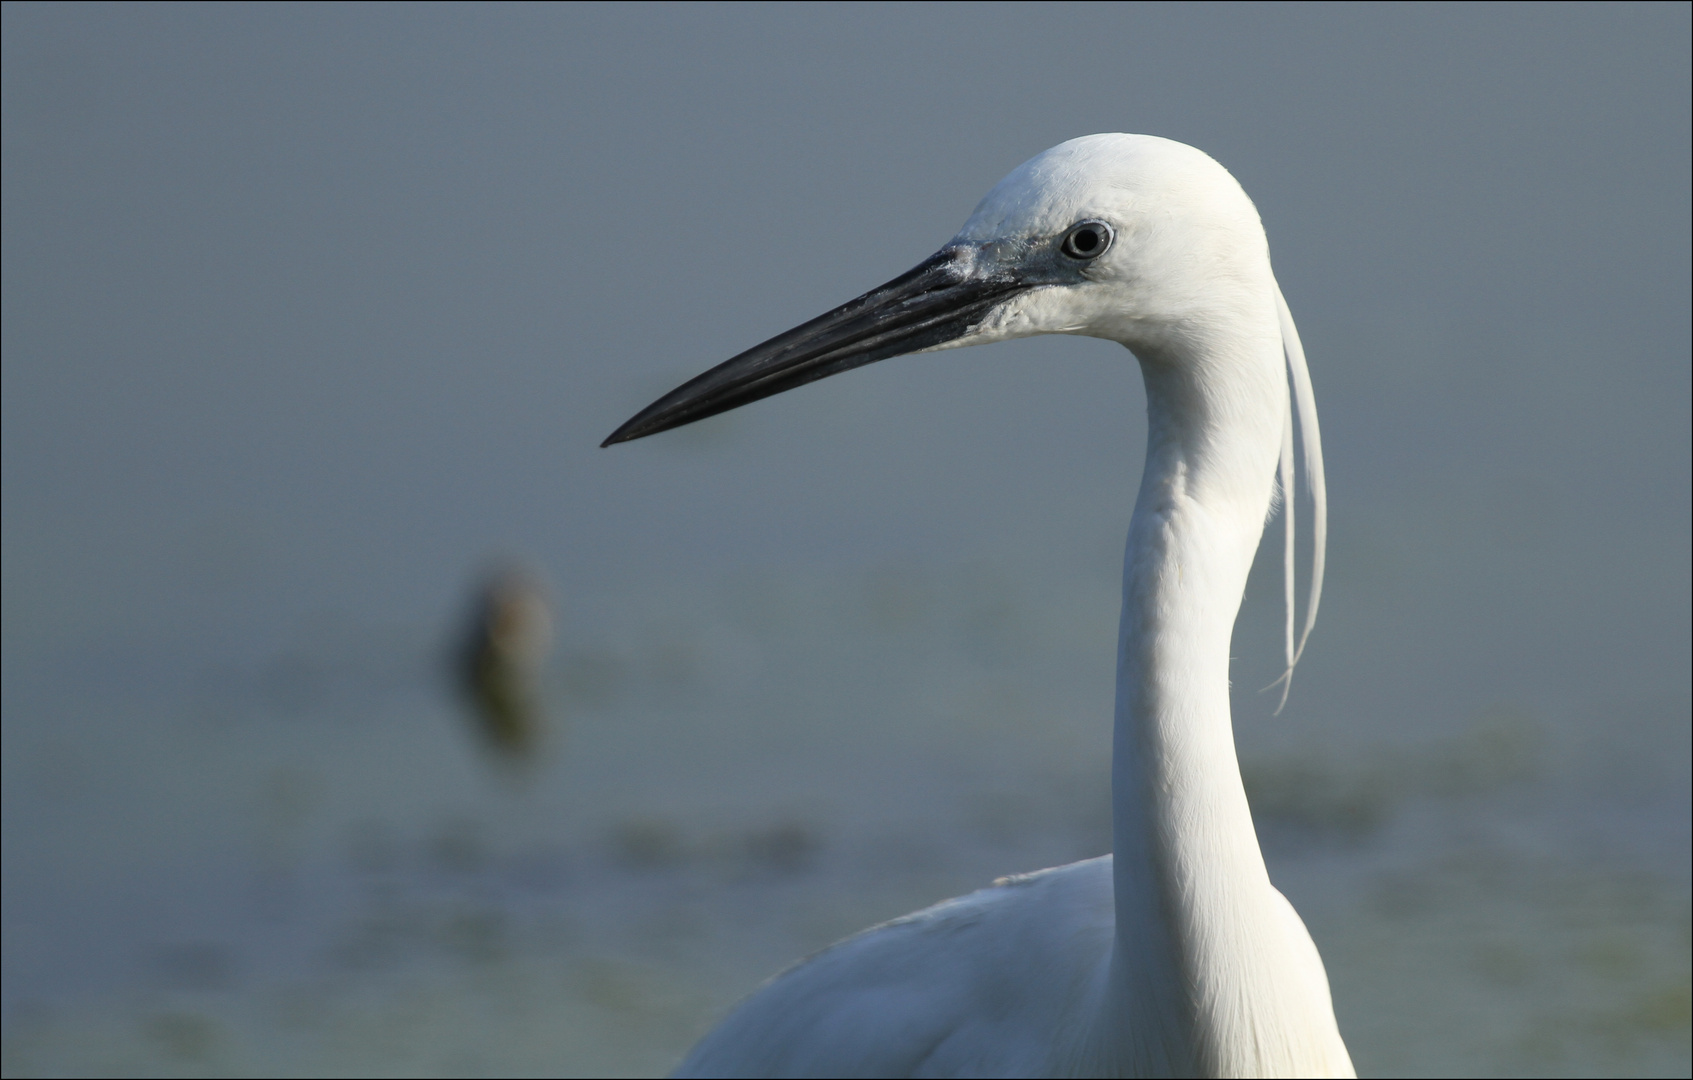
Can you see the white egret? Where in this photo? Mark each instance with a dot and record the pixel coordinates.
(1174, 956)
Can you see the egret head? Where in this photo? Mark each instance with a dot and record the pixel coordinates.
(1126, 237)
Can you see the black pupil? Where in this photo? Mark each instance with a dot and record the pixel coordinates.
(1085, 240)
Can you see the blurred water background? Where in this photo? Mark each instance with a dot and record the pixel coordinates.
(313, 314)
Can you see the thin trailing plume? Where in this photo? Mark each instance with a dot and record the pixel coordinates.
(1284, 477)
(1311, 436)
(1303, 401)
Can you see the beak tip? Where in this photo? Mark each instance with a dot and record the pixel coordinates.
(638, 426)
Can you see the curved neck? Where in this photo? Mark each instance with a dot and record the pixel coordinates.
(1191, 892)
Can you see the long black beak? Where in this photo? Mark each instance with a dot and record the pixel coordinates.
(931, 304)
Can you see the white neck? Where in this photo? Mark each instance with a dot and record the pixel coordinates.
(1202, 959)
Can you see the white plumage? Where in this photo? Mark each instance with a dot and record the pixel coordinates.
(1174, 956)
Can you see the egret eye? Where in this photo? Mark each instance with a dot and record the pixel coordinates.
(1087, 240)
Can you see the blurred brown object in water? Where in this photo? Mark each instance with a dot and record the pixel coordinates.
(502, 658)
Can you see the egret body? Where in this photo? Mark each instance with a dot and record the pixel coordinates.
(1174, 956)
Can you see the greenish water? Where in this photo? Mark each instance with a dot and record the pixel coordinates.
(340, 881)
